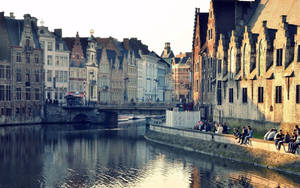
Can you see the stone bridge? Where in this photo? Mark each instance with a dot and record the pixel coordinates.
(99, 114)
(79, 114)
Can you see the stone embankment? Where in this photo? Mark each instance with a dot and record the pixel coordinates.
(258, 152)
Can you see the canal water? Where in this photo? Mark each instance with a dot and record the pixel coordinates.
(47, 156)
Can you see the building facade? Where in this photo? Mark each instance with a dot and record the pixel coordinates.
(77, 68)
(255, 76)
(21, 70)
(181, 76)
(56, 64)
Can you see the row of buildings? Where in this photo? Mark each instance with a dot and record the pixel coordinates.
(38, 65)
(246, 58)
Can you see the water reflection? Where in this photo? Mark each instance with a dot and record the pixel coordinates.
(38, 156)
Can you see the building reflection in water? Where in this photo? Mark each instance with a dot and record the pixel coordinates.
(35, 156)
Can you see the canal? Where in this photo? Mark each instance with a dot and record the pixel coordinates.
(49, 156)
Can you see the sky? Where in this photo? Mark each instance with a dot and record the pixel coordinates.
(153, 21)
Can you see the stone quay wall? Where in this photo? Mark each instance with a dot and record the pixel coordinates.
(258, 152)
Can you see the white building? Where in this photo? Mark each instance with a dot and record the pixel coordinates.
(56, 64)
(153, 78)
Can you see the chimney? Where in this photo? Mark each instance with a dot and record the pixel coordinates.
(1, 15)
(283, 18)
(58, 32)
(167, 45)
(34, 21)
(11, 15)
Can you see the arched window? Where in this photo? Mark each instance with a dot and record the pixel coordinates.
(232, 60)
(246, 60)
(260, 57)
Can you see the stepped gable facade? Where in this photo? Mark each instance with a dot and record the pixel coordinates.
(21, 70)
(251, 72)
(77, 78)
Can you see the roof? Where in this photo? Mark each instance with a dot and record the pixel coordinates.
(203, 19)
(271, 10)
(15, 29)
(224, 13)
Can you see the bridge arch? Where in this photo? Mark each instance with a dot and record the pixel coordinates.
(81, 117)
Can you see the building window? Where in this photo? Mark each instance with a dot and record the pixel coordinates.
(65, 76)
(297, 94)
(2, 75)
(219, 93)
(278, 92)
(230, 95)
(57, 60)
(232, 61)
(36, 58)
(18, 94)
(42, 44)
(2, 93)
(260, 94)
(245, 95)
(219, 65)
(197, 85)
(50, 48)
(8, 73)
(28, 93)
(28, 77)
(298, 55)
(37, 94)
(49, 60)
(49, 75)
(8, 93)
(261, 57)
(279, 57)
(27, 57)
(19, 59)
(37, 75)
(18, 75)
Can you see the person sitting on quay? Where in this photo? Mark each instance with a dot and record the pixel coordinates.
(219, 129)
(196, 126)
(270, 134)
(296, 143)
(236, 134)
(279, 136)
(244, 134)
(297, 127)
(207, 127)
(225, 129)
(286, 139)
(292, 140)
(249, 135)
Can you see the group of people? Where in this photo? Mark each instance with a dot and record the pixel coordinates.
(244, 136)
(280, 138)
(208, 126)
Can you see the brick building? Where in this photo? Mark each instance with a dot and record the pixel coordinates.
(21, 70)
(181, 76)
(77, 78)
(251, 68)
